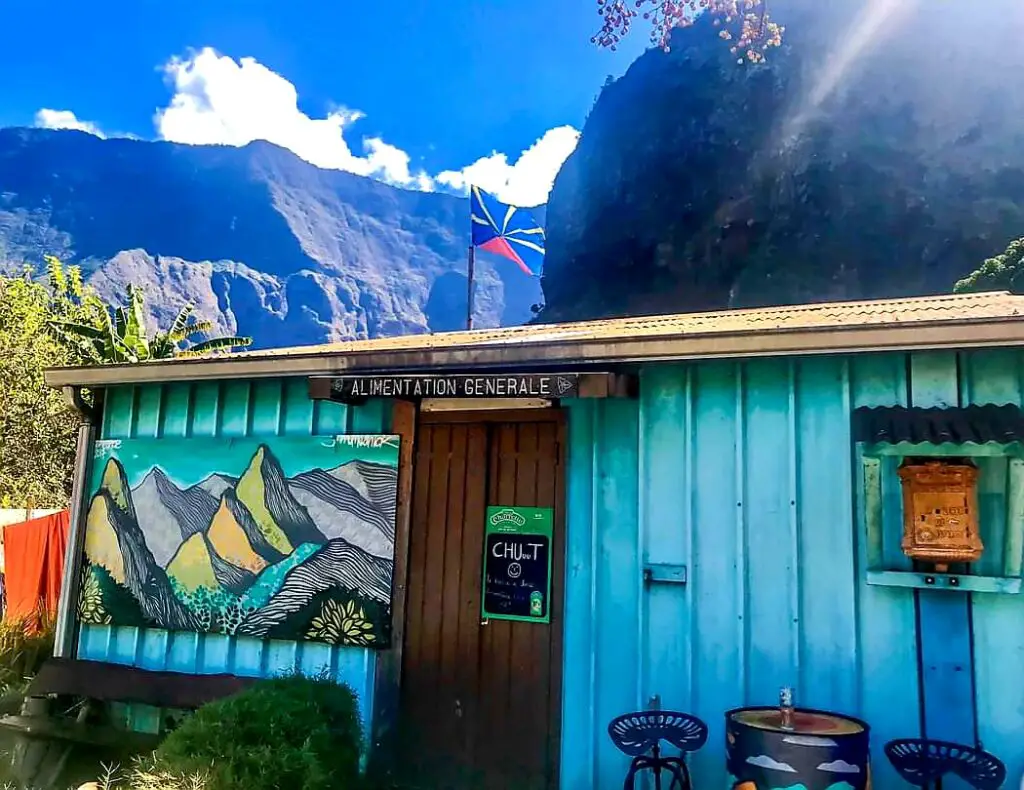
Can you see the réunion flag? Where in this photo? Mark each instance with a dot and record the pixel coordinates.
(507, 231)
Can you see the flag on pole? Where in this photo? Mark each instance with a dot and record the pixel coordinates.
(507, 231)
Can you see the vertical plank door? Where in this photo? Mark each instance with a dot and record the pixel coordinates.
(480, 701)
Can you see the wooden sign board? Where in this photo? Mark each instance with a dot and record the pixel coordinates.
(545, 386)
(517, 564)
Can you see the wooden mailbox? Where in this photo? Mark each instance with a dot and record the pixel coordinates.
(940, 512)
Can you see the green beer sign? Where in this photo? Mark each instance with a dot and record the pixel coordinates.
(517, 564)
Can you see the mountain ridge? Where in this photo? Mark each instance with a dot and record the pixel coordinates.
(265, 243)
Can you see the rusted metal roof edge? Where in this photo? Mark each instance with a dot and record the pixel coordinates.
(972, 333)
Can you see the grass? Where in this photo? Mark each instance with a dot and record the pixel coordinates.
(140, 776)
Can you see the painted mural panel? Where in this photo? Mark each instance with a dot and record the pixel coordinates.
(282, 538)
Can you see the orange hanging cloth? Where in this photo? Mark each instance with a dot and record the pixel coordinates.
(34, 565)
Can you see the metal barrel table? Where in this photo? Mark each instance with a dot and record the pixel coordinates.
(819, 751)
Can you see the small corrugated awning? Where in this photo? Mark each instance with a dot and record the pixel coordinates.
(1001, 424)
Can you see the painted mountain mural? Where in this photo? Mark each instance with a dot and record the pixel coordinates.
(288, 538)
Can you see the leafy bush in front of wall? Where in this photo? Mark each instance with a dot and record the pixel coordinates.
(24, 645)
(290, 732)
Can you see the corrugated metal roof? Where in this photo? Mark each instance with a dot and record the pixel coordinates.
(975, 424)
(935, 322)
(799, 317)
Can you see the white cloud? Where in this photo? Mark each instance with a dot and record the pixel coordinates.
(529, 180)
(65, 119)
(764, 761)
(839, 767)
(218, 100)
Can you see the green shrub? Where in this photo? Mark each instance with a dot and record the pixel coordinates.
(292, 732)
(24, 645)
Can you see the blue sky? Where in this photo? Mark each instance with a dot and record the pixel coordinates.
(439, 85)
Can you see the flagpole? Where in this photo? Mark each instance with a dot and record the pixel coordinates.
(469, 291)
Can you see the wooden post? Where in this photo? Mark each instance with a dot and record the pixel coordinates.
(389, 662)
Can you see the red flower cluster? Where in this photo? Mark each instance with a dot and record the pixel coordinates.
(743, 22)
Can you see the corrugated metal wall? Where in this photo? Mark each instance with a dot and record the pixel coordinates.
(744, 472)
(235, 409)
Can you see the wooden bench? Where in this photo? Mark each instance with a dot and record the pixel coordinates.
(98, 683)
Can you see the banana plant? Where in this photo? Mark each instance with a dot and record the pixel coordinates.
(183, 329)
(118, 335)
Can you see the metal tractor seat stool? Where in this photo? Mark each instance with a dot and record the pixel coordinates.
(639, 735)
(924, 763)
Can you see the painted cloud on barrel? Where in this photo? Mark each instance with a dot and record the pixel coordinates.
(839, 767)
(764, 761)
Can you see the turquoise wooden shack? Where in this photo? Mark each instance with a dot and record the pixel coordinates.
(715, 512)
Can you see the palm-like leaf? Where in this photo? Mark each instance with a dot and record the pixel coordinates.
(80, 330)
(118, 334)
(75, 281)
(217, 344)
(180, 322)
(193, 329)
(121, 321)
(55, 275)
(134, 334)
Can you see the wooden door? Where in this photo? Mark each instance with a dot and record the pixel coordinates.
(480, 702)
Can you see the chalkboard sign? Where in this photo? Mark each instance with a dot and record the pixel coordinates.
(517, 564)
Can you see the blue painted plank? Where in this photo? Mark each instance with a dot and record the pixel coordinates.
(266, 408)
(153, 650)
(665, 515)
(124, 649)
(772, 562)
(329, 418)
(206, 407)
(718, 626)
(235, 408)
(176, 411)
(944, 618)
(616, 571)
(248, 660)
(947, 666)
(371, 417)
(281, 658)
(934, 379)
(995, 377)
(993, 502)
(886, 622)
(828, 675)
(183, 652)
(298, 409)
(94, 642)
(147, 412)
(579, 718)
(215, 654)
(314, 658)
(355, 668)
(119, 413)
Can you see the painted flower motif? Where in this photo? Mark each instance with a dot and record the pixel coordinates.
(342, 624)
(90, 601)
